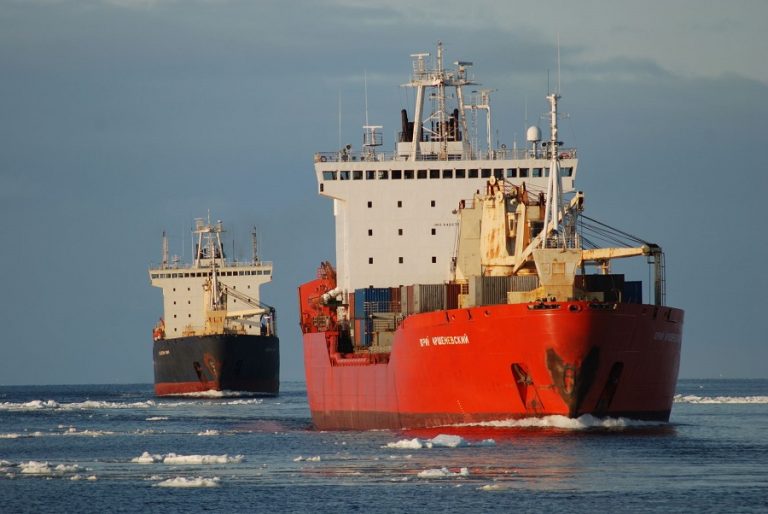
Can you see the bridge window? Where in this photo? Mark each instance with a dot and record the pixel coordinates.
(536, 172)
(370, 231)
(485, 173)
(432, 203)
(383, 174)
(357, 175)
(399, 232)
(344, 175)
(472, 173)
(434, 231)
(566, 172)
(370, 174)
(434, 173)
(434, 260)
(421, 174)
(329, 175)
(523, 173)
(511, 172)
(397, 174)
(461, 173)
(498, 173)
(370, 204)
(370, 260)
(447, 173)
(408, 174)
(400, 260)
(399, 203)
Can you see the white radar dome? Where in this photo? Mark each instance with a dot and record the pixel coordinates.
(533, 135)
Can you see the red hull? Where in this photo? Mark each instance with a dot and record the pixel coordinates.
(265, 387)
(500, 362)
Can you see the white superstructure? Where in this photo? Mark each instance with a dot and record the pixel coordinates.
(395, 212)
(212, 283)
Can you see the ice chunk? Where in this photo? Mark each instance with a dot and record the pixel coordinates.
(172, 458)
(443, 473)
(189, 482)
(147, 458)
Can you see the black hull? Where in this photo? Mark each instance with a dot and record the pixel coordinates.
(229, 362)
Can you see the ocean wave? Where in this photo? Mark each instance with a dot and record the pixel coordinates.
(439, 441)
(690, 398)
(212, 393)
(584, 422)
(189, 482)
(173, 459)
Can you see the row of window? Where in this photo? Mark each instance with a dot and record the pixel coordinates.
(400, 260)
(432, 203)
(208, 274)
(400, 232)
(452, 173)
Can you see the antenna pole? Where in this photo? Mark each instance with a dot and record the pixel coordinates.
(558, 63)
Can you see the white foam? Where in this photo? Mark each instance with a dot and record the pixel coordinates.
(565, 423)
(209, 433)
(679, 398)
(189, 482)
(10, 436)
(212, 393)
(443, 473)
(157, 418)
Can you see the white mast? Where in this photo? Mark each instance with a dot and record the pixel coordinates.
(554, 208)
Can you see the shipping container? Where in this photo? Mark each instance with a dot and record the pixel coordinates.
(452, 292)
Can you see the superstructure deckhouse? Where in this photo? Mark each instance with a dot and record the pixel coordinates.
(469, 285)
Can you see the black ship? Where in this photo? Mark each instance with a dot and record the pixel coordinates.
(216, 334)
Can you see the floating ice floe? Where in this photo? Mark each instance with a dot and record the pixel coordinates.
(87, 433)
(491, 487)
(34, 467)
(443, 473)
(173, 459)
(83, 477)
(679, 398)
(189, 482)
(439, 441)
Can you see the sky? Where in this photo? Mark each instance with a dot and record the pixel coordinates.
(123, 118)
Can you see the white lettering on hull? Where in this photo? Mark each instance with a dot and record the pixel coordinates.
(444, 340)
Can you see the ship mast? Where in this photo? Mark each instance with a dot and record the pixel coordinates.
(554, 208)
(437, 78)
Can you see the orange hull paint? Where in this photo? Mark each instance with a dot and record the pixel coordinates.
(500, 362)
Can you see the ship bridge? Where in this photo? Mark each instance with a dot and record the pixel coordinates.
(395, 211)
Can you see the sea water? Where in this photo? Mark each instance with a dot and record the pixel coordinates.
(117, 448)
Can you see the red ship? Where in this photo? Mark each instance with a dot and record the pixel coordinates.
(470, 286)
